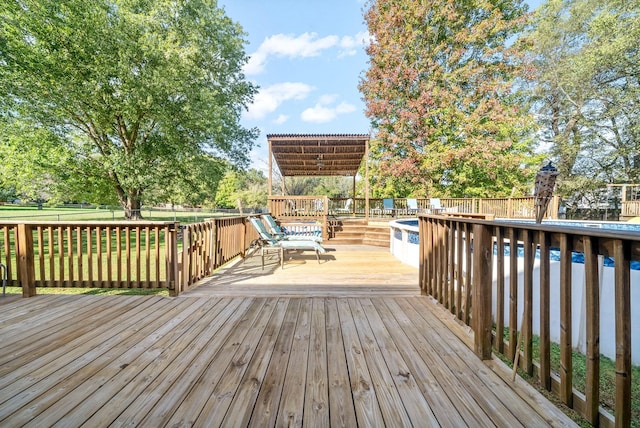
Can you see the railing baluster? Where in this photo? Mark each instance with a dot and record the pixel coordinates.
(60, 242)
(41, 252)
(499, 343)
(592, 388)
(468, 288)
(566, 329)
(70, 254)
(545, 301)
(513, 293)
(52, 272)
(100, 278)
(79, 255)
(527, 317)
(118, 230)
(138, 281)
(451, 254)
(459, 269)
(108, 233)
(89, 233)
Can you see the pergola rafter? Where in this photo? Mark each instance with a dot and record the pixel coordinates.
(304, 155)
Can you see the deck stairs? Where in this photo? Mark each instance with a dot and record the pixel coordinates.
(358, 232)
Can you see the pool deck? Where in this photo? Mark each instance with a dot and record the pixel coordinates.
(356, 347)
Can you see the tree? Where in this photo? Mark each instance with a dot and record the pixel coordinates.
(588, 91)
(250, 187)
(441, 94)
(139, 91)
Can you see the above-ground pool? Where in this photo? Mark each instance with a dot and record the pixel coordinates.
(405, 239)
(405, 246)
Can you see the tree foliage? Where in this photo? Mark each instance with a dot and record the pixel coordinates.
(440, 92)
(249, 187)
(588, 91)
(142, 93)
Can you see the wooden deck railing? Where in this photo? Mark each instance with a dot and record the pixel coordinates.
(119, 254)
(630, 209)
(458, 258)
(318, 206)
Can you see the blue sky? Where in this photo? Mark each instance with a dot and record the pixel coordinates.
(307, 57)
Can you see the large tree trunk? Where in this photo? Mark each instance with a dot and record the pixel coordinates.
(131, 203)
(132, 207)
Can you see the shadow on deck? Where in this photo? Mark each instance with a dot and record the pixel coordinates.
(260, 359)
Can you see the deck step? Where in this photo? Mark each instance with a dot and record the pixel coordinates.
(357, 232)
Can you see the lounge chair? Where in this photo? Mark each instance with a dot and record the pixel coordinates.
(387, 207)
(279, 233)
(269, 242)
(347, 207)
(412, 206)
(435, 205)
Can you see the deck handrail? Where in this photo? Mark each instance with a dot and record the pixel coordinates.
(457, 260)
(305, 206)
(119, 254)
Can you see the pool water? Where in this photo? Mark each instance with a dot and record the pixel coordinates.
(576, 257)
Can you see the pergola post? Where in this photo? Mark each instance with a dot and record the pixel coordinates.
(366, 181)
(270, 169)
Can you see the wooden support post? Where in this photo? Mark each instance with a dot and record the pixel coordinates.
(366, 183)
(622, 256)
(482, 284)
(270, 179)
(26, 266)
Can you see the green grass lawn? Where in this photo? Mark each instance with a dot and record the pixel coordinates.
(96, 291)
(32, 213)
(607, 380)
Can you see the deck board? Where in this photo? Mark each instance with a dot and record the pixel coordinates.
(254, 361)
(342, 352)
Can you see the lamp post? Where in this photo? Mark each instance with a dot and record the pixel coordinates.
(545, 183)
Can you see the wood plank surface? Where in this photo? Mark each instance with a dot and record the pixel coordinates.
(260, 361)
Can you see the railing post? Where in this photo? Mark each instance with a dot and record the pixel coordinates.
(185, 274)
(171, 238)
(26, 266)
(482, 284)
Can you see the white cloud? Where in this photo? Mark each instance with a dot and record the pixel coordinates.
(287, 45)
(281, 119)
(269, 99)
(323, 112)
(303, 46)
(349, 45)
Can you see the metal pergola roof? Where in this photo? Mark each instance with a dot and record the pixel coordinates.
(318, 154)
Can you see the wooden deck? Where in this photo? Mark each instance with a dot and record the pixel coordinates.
(345, 270)
(204, 360)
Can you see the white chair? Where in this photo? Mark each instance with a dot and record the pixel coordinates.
(347, 207)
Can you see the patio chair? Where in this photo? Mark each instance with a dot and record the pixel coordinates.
(347, 207)
(412, 206)
(387, 207)
(269, 242)
(435, 205)
(279, 233)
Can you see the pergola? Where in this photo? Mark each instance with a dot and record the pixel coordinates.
(299, 155)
